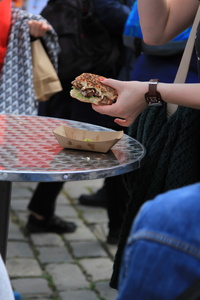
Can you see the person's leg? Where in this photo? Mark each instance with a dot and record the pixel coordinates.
(42, 203)
(114, 196)
(43, 200)
(116, 206)
(42, 207)
(99, 199)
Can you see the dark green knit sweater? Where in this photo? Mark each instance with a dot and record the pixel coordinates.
(172, 160)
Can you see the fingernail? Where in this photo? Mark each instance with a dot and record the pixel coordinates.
(102, 78)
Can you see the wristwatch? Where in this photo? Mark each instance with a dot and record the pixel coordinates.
(153, 97)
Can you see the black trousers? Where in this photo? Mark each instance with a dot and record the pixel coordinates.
(44, 198)
(117, 201)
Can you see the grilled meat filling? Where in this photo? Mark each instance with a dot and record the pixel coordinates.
(86, 92)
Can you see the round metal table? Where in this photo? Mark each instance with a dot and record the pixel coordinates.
(29, 151)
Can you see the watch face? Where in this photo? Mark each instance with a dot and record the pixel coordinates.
(153, 97)
(154, 100)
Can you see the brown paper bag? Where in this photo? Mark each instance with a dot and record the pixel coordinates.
(45, 80)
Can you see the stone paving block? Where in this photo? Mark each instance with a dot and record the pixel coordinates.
(54, 255)
(22, 216)
(95, 215)
(78, 222)
(62, 199)
(87, 249)
(14, 232)
(79, 295)
(91, 209)
(19, 249)
(88, 243)
(19, 204)
(65, 211)
(47, 239)
(31, 286)
(20, 193)
(27, 185)
(67, 276)
(82, 233)
(100, 231)
(112, 249)
(20, 267)
(99, 268)
(76, 188)
(106, 291)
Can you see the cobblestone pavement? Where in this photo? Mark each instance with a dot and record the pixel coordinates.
(73, 266)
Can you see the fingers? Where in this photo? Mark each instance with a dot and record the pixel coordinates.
(38, 28)
(116, 84)
(108, 110)
(105, 109)
(123, 122)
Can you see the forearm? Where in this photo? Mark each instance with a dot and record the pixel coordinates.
(162, 20)
(181, 94)
(131, 98)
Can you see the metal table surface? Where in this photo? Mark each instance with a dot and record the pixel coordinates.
(29, 151)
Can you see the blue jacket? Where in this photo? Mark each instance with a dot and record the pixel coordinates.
(162, 254)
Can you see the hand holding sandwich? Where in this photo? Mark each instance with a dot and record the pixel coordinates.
(125, 100)
(109, 97)
(131, 98)
(130, 102)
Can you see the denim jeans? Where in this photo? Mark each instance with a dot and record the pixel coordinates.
(162, 255)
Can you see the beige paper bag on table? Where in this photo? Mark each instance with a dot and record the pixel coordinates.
(45, 80)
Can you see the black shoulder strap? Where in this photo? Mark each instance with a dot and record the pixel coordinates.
(191, 293)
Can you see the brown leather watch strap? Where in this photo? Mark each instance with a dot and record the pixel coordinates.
(153, 87)
(153, 97)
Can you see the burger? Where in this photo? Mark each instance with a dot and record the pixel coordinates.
(88, 88)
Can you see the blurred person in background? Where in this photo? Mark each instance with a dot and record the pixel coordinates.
(11, 99)
(113, 15)
(170, 133)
